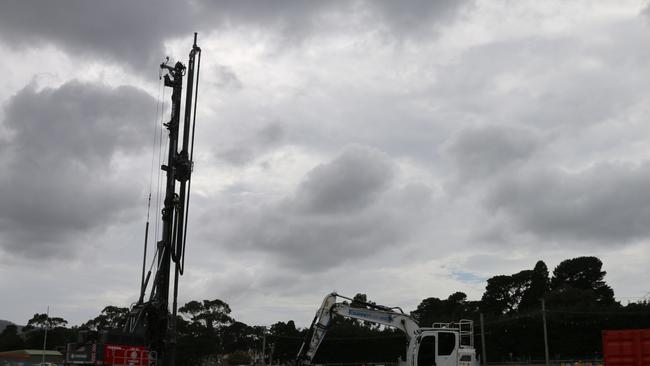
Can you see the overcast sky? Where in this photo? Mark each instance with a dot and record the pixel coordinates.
(399, 149)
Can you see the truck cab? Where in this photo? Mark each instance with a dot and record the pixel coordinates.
(435, 348)
(445, 344)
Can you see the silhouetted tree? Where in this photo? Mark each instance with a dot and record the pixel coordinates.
(201, 337)
(584, 274)
(287, 340)
(238, 337)
(539, 287)
(456, 306)
(195, 344)
(428, 310)
(452, 309)
(43, 320)
(503, 294)
(10, 340)
(111, 317)
(210, 313)
(57, 334)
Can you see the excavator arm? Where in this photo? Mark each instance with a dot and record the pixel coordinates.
(370, 312)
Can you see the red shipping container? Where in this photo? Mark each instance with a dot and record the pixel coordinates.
(629, 347)
(118, 354)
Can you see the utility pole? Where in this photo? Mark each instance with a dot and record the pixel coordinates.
(264, 348)
(483, 350)
(47, 321)
(271, 355)
(545, 332)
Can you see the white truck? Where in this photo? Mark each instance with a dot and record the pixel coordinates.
(442, 344)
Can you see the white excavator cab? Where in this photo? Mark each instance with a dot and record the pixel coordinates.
(436, 348)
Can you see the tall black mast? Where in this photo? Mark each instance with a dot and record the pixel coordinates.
(172, 246)
(154, 318)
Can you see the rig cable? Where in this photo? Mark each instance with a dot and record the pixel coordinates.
(160, 162)
(153, 155)
(153, 145)
(159, 183)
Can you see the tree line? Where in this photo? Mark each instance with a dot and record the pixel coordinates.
(579, 305)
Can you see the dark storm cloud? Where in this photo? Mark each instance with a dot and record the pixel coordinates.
(484, 151)
(134, 32)
(122, 30)
(606, 203)
(64, 162)
(346, 209)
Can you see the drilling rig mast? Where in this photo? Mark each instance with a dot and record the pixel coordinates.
(154, 319)
(149, 336)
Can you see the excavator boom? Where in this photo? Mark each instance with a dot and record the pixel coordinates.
(372, 313)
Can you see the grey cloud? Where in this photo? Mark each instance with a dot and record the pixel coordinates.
(486, 265)
(544, 81)
(225, 78)
(349, 183)
(247, 148)
(290, 17)
(271, 134)
(301, 18)
(482, 152)
(347, 209)
(134, 32)
(60, 176)
(80, 121)
(237, 155)
(405, 16)
(646, 10)
(606, 203)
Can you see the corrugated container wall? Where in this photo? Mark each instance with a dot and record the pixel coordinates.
(629, 347)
